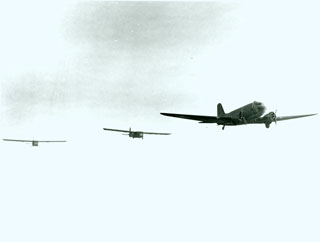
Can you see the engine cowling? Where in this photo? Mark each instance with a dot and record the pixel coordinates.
(269, 118)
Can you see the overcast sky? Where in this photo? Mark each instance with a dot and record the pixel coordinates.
(68, 70)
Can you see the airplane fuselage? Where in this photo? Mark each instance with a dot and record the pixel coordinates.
(244, 115)
(35, 143)
(136, 134)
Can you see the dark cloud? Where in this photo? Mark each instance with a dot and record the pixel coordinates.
(129, 56)
(143, 25)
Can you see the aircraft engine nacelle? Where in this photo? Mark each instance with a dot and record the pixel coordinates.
(269, 118)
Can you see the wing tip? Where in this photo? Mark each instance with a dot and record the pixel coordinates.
(312, 114)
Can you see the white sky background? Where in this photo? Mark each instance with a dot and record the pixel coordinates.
(67, 70)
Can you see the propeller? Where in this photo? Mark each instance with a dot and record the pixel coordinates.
(274, 116)
(269, 118)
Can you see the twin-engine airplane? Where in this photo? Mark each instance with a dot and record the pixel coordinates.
(248, 114)
(135, 134)
(35, 142)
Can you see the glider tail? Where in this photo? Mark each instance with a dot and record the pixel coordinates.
(220, 111)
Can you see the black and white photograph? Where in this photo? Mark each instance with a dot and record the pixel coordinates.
(159, 121)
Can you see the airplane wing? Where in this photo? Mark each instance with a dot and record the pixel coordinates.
(156, 133)
(294, 116)
(201, 118)
(17, 140)
(50, 141)
(24, 140)
(117, 130)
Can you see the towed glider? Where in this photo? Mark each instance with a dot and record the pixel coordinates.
(134, 134)
(35, 142)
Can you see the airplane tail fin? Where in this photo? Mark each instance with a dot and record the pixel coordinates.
(220, 111)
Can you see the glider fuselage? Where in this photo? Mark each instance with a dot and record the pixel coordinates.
(136, 134)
